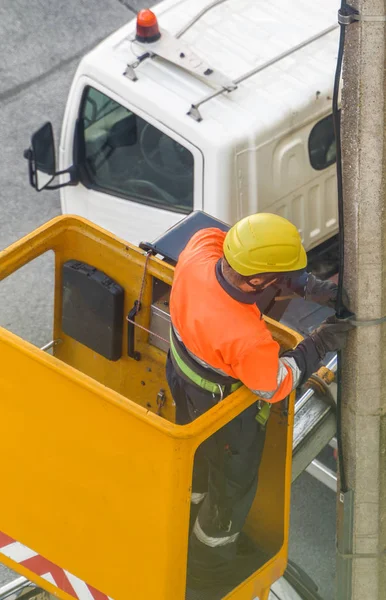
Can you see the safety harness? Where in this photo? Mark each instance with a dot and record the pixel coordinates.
(192, 372)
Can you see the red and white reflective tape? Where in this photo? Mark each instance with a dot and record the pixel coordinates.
(47, 570)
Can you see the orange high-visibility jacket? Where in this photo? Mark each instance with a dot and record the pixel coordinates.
(228, 334)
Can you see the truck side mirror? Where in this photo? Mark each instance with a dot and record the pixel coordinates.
(43, 156)
(42, 162)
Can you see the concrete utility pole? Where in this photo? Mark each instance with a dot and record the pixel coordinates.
(361, 557)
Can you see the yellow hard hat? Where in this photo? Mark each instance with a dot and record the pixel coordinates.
(264, 243)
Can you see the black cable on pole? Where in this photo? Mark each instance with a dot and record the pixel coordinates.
(339, 307)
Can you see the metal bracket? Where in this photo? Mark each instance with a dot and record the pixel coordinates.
(345, 544)
(161, 399)
(179, 53)
(346, 15)
(130, 73)
(194, 109)
(194, 113)
(130, 68)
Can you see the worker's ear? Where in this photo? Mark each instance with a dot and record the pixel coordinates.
(262, 281)
(255, 281)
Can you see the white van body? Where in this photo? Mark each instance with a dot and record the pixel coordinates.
(254, 148)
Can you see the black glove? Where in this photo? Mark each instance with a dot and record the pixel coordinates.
(331, 335)
(323, 292)
(311, 288)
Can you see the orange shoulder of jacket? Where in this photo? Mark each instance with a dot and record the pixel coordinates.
(211, 239)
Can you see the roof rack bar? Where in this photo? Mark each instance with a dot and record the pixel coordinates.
(286, 53)
(198, 17)
(195, 113)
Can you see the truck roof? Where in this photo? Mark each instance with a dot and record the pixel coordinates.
(235, 37)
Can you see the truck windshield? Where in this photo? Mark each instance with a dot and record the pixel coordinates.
(126, 156)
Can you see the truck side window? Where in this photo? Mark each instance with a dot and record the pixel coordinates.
(126, 156)
(321, 144)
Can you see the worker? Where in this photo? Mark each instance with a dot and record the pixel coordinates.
(223, 284)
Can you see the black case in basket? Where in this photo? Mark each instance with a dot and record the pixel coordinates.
(92, 309)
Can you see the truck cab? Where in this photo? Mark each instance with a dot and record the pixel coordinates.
(227, 111)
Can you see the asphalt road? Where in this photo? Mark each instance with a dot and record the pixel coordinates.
(41, 43)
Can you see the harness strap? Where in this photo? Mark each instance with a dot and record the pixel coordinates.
(222, 387)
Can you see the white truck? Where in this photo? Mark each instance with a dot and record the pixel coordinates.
(227, 111)
(215, 105)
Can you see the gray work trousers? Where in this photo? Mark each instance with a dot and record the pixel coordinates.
(225, 477)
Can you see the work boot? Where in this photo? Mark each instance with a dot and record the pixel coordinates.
(207, 573)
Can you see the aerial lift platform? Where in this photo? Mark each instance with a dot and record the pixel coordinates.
(97, 473)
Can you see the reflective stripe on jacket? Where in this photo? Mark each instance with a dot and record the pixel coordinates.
(226, 333)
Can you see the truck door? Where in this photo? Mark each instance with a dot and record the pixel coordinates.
(137, 178)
